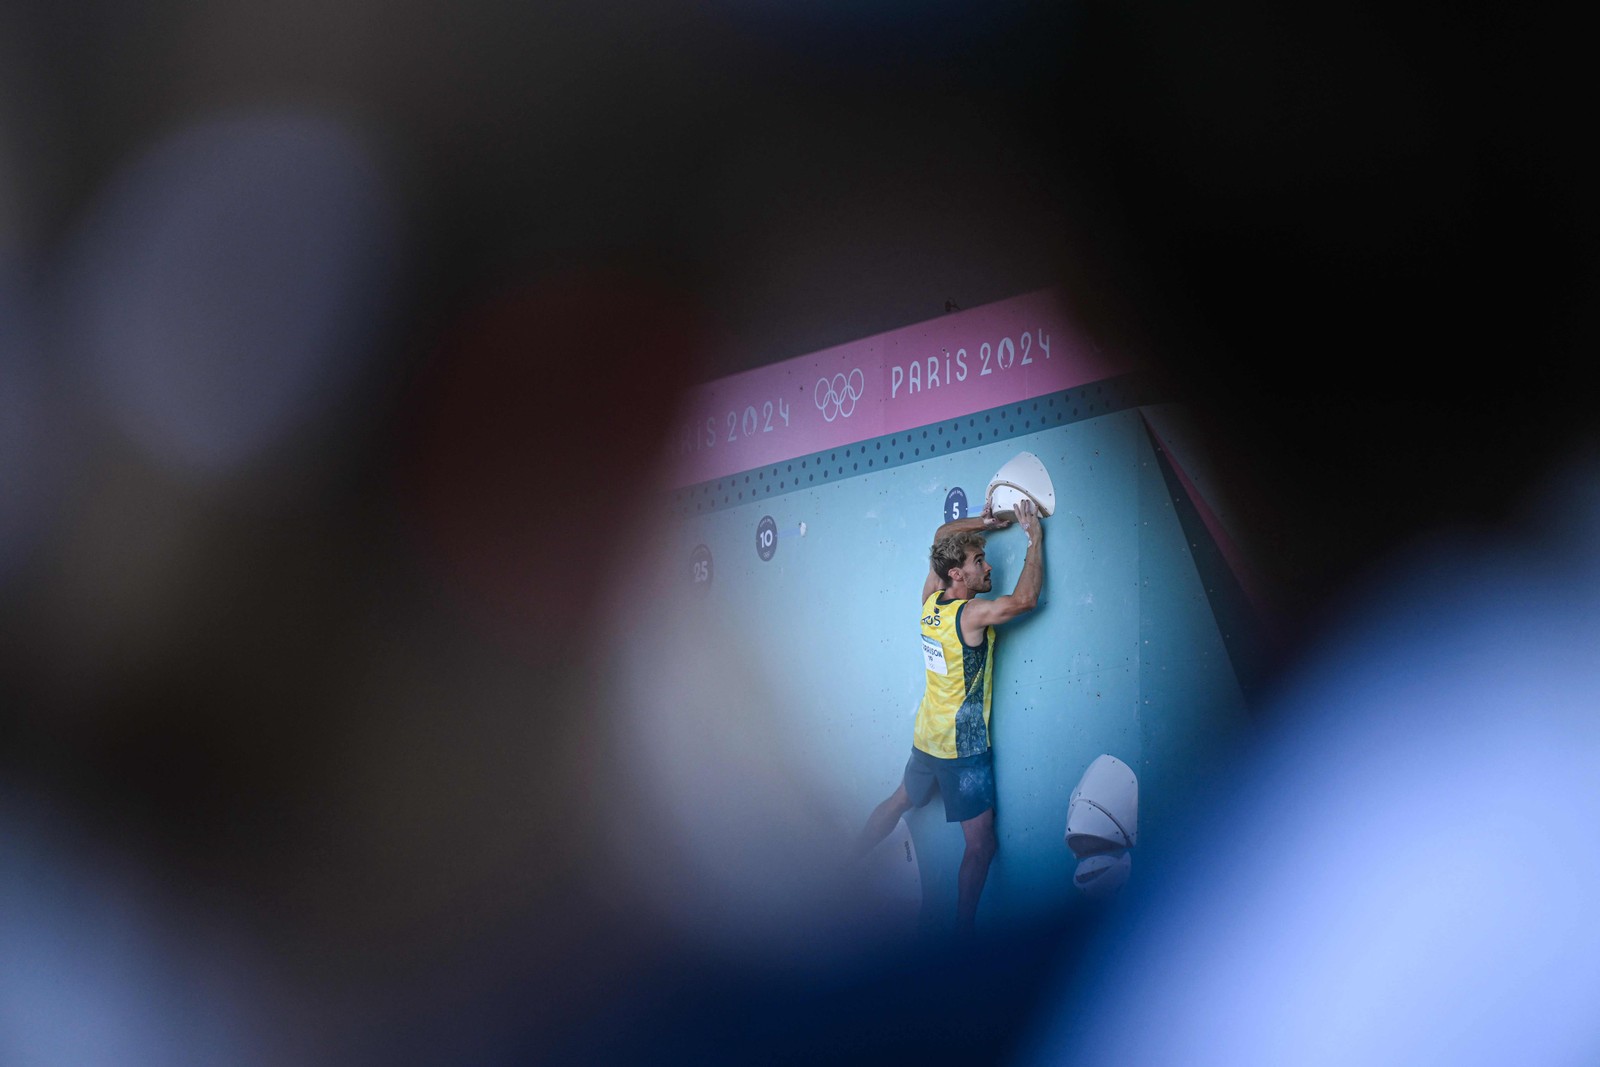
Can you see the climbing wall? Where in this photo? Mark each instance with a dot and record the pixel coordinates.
(800, 505)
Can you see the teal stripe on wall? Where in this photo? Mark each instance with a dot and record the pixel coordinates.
(875, 454)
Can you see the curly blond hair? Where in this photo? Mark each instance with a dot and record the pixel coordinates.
(950, 552)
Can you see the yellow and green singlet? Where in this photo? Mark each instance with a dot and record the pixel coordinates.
(953, 719)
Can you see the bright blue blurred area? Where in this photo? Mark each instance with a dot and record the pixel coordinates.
(98, 973)
(1404, 870)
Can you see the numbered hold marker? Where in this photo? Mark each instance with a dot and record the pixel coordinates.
(955, 505)
(766, 537)
(700, 568)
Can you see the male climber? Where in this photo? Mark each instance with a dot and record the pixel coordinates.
(950, 746)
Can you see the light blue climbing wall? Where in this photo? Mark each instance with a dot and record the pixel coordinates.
(818, 563)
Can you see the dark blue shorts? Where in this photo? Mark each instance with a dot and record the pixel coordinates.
(967, 783)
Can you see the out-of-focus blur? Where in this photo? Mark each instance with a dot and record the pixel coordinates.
(1402, 870)
(338, 344)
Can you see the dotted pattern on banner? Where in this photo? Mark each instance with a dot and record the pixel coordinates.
(915, 445)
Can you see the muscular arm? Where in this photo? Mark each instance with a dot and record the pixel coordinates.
(1022, 599)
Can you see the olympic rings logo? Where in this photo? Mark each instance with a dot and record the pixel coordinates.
(841, 394)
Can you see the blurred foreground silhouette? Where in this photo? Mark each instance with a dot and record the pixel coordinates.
(336, 345)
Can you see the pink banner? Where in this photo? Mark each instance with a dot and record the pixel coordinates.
(963, 362)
